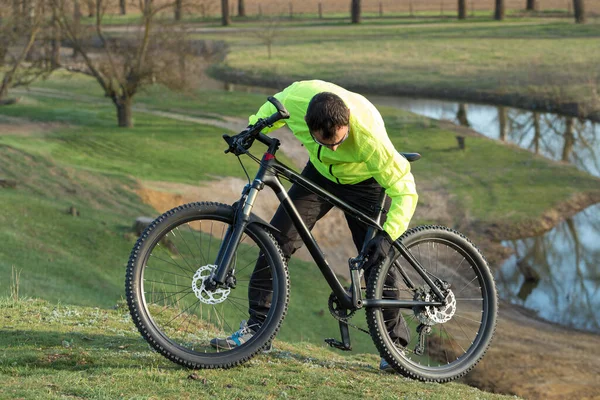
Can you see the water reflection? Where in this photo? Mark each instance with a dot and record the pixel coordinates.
(557, 274)
(554, 136)
(560, 138)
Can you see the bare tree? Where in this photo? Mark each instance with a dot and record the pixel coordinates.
(76, 22)
(499, 10)
(355, 11)
(462, 9)
(531, 5)
(123, 7)
(569, 139)
(537, 132)
(123, 66)
(225, 17)
(267, 33)
(178, 9)
(241, 8)
(503, 122)
(55, 41)
(461, 115)
(202, 53)
(91, 8)
(18, 35)
(579, 8)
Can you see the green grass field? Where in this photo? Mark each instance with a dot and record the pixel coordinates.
(61, 275)
(531, 63)
(88, 163)
(59, 351)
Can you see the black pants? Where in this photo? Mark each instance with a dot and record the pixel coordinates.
(363, 196)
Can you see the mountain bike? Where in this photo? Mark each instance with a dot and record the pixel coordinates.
(189, 274)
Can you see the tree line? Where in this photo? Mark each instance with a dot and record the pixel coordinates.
(356, 10)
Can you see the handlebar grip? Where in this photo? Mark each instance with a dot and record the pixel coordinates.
(281, 113)
(281, 110)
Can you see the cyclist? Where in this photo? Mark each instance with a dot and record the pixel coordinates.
(352, 157)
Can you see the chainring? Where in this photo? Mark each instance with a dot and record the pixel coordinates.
(338, 312)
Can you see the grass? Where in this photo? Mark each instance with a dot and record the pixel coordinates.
(88, 163)
(184, 151)
(489, 58)
(54, 351)
(489, 179)
(201, 103)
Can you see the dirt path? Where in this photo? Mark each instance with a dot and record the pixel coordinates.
(24, 127)
(529, 357)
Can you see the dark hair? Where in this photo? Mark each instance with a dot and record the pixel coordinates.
(326, 113)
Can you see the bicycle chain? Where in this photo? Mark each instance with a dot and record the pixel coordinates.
(345, 319)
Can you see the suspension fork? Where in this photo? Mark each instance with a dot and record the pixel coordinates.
(234, 233)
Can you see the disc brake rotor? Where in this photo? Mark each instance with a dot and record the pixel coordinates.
(431, 315)
(216, 296)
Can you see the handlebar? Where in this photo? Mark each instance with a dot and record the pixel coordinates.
(240, 143)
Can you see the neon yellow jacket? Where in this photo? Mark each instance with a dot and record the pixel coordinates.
(368, 151)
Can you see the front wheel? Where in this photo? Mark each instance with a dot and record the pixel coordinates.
(172, 302)
(438, 343)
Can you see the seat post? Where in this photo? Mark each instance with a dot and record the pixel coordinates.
(376, 217)
(380, 205)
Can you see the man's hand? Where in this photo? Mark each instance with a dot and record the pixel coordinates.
(377, 249)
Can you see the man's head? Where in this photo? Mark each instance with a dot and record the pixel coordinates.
(328, 119)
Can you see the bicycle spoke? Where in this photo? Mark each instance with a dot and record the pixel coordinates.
(174, 262)
(186, 245)
(174, 294)
(167, 272)
(198, 242)
(460, 291)
(444, 261)
(181, 254)
(250, 263)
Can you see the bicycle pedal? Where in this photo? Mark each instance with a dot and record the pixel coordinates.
(337, 344)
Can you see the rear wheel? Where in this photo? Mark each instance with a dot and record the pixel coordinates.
(169, 297)
(447, 341)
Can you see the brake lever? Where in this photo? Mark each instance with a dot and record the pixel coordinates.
(228, 140)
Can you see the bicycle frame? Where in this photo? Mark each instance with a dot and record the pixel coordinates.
(268, 174)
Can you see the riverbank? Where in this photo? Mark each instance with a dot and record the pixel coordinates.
(531, 102)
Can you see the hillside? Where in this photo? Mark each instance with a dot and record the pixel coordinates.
(58, 351)
(63, 150)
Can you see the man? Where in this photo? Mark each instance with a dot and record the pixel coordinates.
(352, 157)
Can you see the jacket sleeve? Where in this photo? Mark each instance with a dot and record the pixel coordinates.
(268, 109)
(392, 172)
